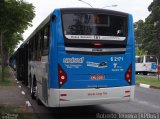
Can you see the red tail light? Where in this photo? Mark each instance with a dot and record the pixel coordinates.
(128, 75)
(98, 44)
(62, 76)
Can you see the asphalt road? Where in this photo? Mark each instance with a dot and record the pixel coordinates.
(145, 105)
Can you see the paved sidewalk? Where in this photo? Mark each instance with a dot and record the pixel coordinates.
(11, 95)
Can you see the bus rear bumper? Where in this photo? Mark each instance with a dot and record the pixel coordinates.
(80, 97)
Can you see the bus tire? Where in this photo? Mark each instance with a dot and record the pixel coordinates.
(39, 101)
(32, 96)
(33, 89)
(145, 73)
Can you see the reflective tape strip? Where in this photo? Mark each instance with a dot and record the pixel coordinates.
(96, 37)
(95, 49)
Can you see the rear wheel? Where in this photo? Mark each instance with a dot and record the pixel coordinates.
(39, 101)
(33, 89)
(37, 98)
(145, 73)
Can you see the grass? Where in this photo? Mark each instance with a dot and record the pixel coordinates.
(19, 112)
(8, 78)
(148, 80)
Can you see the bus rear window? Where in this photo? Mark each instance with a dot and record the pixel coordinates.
(84, 25)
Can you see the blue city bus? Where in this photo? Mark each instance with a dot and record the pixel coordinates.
(79, 56)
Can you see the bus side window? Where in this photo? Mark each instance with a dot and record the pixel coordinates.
(45, 43)
(141, 60)
(39, 41)
(137, 60)
(34, 48)
(30, 51)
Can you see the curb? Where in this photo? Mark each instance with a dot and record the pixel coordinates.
(144, 85)
(147, 86)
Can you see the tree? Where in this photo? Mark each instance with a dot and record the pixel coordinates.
(139, 36)
(139, 31)
(15, 17)
(150, 43)
(140, 52)
(147, 33)
(152, 28)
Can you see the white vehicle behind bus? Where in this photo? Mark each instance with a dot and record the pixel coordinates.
(146, 64)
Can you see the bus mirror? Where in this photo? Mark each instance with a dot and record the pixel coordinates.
(119, 32)
(53, 17)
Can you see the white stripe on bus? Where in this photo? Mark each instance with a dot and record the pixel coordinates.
(95, 49)
(96, 37)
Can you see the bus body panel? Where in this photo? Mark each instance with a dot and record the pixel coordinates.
(78, 73)
(56, 30)
(131, 43)
(78, 97)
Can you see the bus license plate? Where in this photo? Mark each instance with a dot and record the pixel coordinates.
(97, 77)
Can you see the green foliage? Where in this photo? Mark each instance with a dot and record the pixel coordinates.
(8, 78)
(15, 17)
(147, 33)
(154, 8)
(140, 52)
(139, 31)
(11, 41)
(148, 80)
(152, 28)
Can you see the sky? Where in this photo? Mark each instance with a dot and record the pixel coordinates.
(138, 8)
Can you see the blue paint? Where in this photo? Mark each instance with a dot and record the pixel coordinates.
(154, 66)
(78, 74)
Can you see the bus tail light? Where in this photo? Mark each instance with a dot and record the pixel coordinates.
(98, 44)
(128, 74)
(62, 76)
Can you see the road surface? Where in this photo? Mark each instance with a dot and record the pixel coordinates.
(145, 105)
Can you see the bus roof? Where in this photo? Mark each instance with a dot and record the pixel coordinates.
(95, 10)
